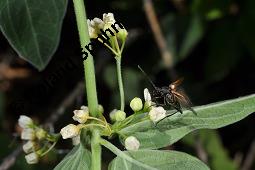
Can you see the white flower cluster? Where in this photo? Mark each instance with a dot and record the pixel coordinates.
(155, 113)
(73, 131)
(96, 24)
(28, 133)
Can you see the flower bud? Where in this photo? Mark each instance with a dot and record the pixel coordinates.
(29, 147)
(120, 115)
(136, 104)
(70, 131)
(76, 140)
(25, 121)
(28, 134)
(85, 108)
(122, 34)
(81, 115)
(147, 98)
(157, 113)
(112, 115)
(131, 143)
(32, 158)
(40, 134)
(147, 95)
(100, 109)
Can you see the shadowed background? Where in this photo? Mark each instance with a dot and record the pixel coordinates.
(209, 43)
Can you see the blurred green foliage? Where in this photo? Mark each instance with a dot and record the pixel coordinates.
(217, 154)
(212, 42)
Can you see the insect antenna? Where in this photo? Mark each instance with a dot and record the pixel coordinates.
(147, 77)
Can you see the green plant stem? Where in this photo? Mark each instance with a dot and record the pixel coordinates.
(90, 79)
(96, 151)
(120, 82)
(123, 155)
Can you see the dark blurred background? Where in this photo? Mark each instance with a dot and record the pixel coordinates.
(211, 44)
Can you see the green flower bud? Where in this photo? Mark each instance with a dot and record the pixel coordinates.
(40, 134)
(112, 115)
(120, 115)
(100, 109)
(136, 104)
(122, 35)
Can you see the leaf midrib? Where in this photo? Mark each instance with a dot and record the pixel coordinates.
(33, 32)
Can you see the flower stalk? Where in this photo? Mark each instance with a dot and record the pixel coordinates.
(90, 80)
(120, 82)
(89, 69)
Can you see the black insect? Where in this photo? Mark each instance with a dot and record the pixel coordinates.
(170, 96)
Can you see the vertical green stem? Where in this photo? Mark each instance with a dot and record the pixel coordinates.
(90, 80)
(95, 151)
(120, 82)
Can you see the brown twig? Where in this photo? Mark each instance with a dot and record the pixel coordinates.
(11, 159)
(201, 153)
(54, 116)
(249, 158)
(160, 40)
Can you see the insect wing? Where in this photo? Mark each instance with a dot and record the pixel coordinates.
(184, 100)
(177, 82)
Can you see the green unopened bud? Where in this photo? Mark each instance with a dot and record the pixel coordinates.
(136, 104)
(122, 34)
(40, 134)
(112, 115)
(120, 115)
(100, 109)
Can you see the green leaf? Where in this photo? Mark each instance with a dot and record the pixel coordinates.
(173, 128)
(162, 160)
(33, 28)
(77, 159)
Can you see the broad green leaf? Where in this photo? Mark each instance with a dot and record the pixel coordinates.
(173, 128)
(33, 27)
(77, 159)
(162, 160)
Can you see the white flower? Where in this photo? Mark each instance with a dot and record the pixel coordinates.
(108, 20)
(32, 158)
(28, 134)
(70, 131)
(76, 140)
(147, 95)
(94, 27)
(29, 147)
(81, 115)
(157, 113)
(131, 143)
(136, 104)
(25, 121)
